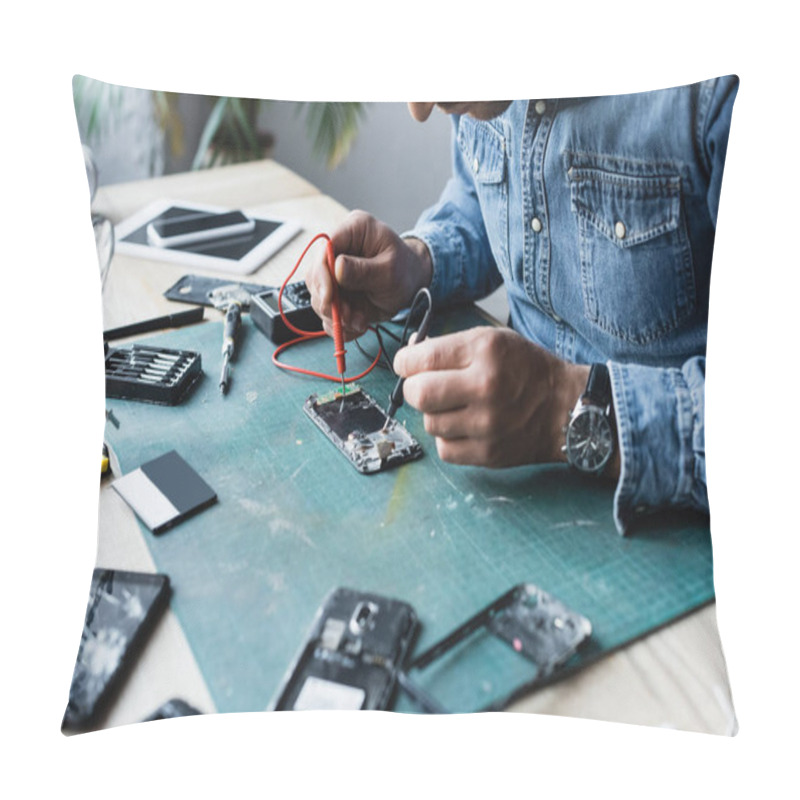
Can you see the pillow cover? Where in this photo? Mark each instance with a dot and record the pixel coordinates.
(290, 580)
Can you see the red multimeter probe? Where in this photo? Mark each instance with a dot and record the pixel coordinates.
(336, 315)
(336, 324)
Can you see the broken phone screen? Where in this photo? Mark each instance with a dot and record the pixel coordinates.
(356, 425)
(122, 609)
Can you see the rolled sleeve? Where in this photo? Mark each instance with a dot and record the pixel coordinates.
(454, 232)
(661, 428)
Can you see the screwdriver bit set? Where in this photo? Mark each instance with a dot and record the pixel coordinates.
(151, 374)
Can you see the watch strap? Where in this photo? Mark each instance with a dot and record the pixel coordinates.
(598, 387)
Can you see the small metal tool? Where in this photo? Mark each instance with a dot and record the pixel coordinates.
(233, 319)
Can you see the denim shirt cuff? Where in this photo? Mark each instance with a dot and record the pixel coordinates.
(655, 428)
(446, 263)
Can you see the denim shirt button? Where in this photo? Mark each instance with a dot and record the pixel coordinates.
(475, 165)
(540, 106)
(536, 224)
(619, 230)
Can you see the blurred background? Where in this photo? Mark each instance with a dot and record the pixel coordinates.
(366, 155)
(372, 156)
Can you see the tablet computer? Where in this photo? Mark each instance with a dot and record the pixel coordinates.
(240, 253)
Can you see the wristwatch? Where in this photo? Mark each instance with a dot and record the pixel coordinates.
(591, 432)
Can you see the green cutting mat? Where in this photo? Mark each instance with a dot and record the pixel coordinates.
(294, 520)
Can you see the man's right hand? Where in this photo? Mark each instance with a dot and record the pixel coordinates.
(378, 274)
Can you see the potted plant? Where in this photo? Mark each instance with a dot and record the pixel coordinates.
(220, 130)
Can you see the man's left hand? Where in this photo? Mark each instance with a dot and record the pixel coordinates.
(490, 396)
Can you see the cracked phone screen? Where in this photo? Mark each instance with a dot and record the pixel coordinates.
(121, 611)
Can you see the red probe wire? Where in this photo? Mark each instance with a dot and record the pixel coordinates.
(336, 319)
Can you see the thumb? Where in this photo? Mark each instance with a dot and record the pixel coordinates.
(357, 274)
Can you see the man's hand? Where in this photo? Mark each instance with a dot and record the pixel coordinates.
(378, 274)
(491, 397)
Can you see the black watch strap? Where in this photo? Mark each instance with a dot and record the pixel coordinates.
(598, 387)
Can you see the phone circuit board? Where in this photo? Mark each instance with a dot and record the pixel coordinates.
(358, 427)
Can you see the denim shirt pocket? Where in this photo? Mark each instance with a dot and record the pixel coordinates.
(484, 152)
(636, 263)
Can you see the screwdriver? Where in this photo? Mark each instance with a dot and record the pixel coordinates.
(233, 318)
(396, 397)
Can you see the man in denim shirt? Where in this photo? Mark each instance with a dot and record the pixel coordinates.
(598, 214)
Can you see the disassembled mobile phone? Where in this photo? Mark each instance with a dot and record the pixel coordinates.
(355, 424)
(533, 623)
(122, 610)
(212, 292)
(356, 645)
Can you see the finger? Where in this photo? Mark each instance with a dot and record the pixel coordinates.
(453, 351)
(435, 392)
(318, 281)
(352, 235)
(364, 274)
(348, 333)
(460, 424)
(353, 319)
(460, 451)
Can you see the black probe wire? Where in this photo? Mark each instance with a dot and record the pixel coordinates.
(404, 336)
(382, 349)
(422, 293)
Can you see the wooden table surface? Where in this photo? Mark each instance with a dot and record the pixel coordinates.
(675, 677)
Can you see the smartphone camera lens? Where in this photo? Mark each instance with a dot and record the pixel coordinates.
(363, 617)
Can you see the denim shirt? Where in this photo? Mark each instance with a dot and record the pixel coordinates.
(599, 214)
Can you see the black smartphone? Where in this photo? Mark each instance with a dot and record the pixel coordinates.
(122, 610)
(197, 227)
(350, 660)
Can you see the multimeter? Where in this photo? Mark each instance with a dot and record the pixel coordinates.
(296, 303)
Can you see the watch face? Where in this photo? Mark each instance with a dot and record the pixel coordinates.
(589, 440)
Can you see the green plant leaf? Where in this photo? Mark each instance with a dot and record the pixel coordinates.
(95, 103)
(245, 124)
(333, 128)
(169, 120)
(210, 129)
